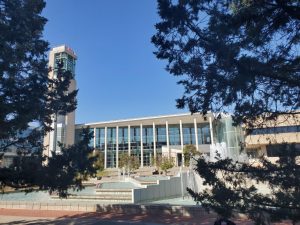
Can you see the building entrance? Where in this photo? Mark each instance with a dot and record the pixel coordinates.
(179, 159)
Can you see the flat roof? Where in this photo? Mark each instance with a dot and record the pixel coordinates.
(140, 118)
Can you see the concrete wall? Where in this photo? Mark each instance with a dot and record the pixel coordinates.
(164, 189)
(155, 210)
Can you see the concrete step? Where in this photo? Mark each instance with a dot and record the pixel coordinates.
(98, 197)
(113, 191)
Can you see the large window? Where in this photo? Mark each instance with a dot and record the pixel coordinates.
(161, 136)
(148, 145)
(147, 138)
(123, 138)
(100, 138)
(174, 135)
(111, 159)
(135, 138)
(203, 134)
(276, 130)
(188, 134)
(67, 60)
(148, 156)
(111, 138)
(280, 150)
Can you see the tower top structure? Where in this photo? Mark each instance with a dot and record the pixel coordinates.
(64, 48)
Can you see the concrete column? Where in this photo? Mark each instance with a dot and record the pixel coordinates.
(142, 146)
(211, 131)
(105, 148)
(117, 146)
(168, 140)
(196, 134)
(129, 143)
(154, 144)
(181, 141)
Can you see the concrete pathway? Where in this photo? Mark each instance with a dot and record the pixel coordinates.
(19, 220)
(51, 217)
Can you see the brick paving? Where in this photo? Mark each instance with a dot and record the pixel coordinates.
(70, 216)
(52, 217)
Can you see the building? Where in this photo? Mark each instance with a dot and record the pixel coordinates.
(146, 138)
(266, 139)
(167, 135)
(63, 126)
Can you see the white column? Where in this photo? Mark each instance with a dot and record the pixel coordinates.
(168, 141)
(94, 140)
(181, 142)
(105, 148)
(142, 146)
(211, 131)
(117, 147)
(181, 134)
(196, 134)
(154, 144)
(129, 143)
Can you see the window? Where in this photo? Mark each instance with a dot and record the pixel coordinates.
(280, 150)
(123, 138)
(135, 138)
(174, 135)
(188, 134)
(276, 130)
(100, 138)
(161, 136)
(203, 134)
(147, 138)
(111, 138)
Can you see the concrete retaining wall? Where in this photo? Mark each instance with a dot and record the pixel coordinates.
(112, 208)
(173, 187)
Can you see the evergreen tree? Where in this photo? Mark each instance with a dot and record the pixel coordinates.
(28, 95)
(238, 56)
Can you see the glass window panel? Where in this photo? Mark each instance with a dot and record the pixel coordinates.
(135, 138)
(148, 138)
(100, 138)
(111, 138)
(174, 134)
(123, 138)
(161, 136)
(188, 134)
(204, 134)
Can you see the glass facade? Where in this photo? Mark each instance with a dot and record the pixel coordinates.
(148, 145)
(135, 142)
(224, 131)
(161, 136)
(174, 135)
(100, 139)
(203, 134)
(111, 147)
(280, 150)
(68, 61)
(188, 131)
(123, 139)
(276, 130)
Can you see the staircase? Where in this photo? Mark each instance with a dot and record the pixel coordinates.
(105, 195)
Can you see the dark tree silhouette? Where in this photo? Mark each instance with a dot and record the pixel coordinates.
(28, 95)
(240, 57)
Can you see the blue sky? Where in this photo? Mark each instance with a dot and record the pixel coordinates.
(117, 74)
